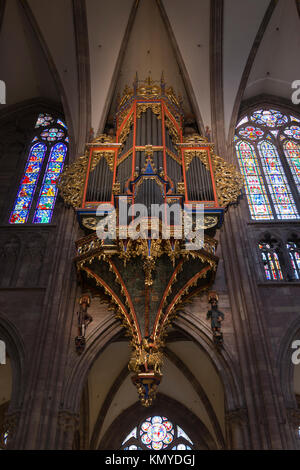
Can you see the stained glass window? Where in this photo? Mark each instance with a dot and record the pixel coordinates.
(250, 132)
(28, 184)
(181, 447)
(52, 135)
(49, 189)
(271, 262)
(157, 433)
(3, 440)
(268, 150)
(277, 182)
(133, 447)
(293, 131)
(61, 123)
(44, 120)
(255, 189)
(292, 154)
(269, 118)
(46, 157)
(294, 254)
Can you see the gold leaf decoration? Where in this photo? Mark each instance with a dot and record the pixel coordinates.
(195, 139)
(71, 182)
(180, 188)
(109, 156)
(142, 108)
(228, 179)
(189, 155)
(104, 139)
(172, 130)
(126, 129)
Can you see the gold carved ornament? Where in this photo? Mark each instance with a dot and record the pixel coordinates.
(150, 90)
(195, 140)
(125, 315)
(109, 156)
(142, 108)
(104, 139)
(71, 182)
(172, 129)
(116, 188)
(126, 129)
(189, 156)
(180, 188)
(127, 94)
(166, 318)
(229, 181)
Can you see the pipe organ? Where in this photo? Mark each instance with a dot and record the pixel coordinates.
(150, 162)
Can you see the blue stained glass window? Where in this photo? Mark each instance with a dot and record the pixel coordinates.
(28, 184)
(55, 151)
(49, 189)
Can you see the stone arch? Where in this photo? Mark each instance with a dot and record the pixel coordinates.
(110, 330)
(166, 406)
(199, 332)
(100, 338)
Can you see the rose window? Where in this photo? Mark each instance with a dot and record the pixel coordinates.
(157, 433)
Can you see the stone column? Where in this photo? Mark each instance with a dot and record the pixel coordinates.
(237, 428)
(68, 424)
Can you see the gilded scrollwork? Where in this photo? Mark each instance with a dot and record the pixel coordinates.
(149, 90)
(126, 129)
(104, 139)
(189, 155)
(195, 139)
(142, 108)
(71, 182)
(116, 188)
(180, 188)
(127, 94)
(172, 129)
(109, 156)
(228, 179)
